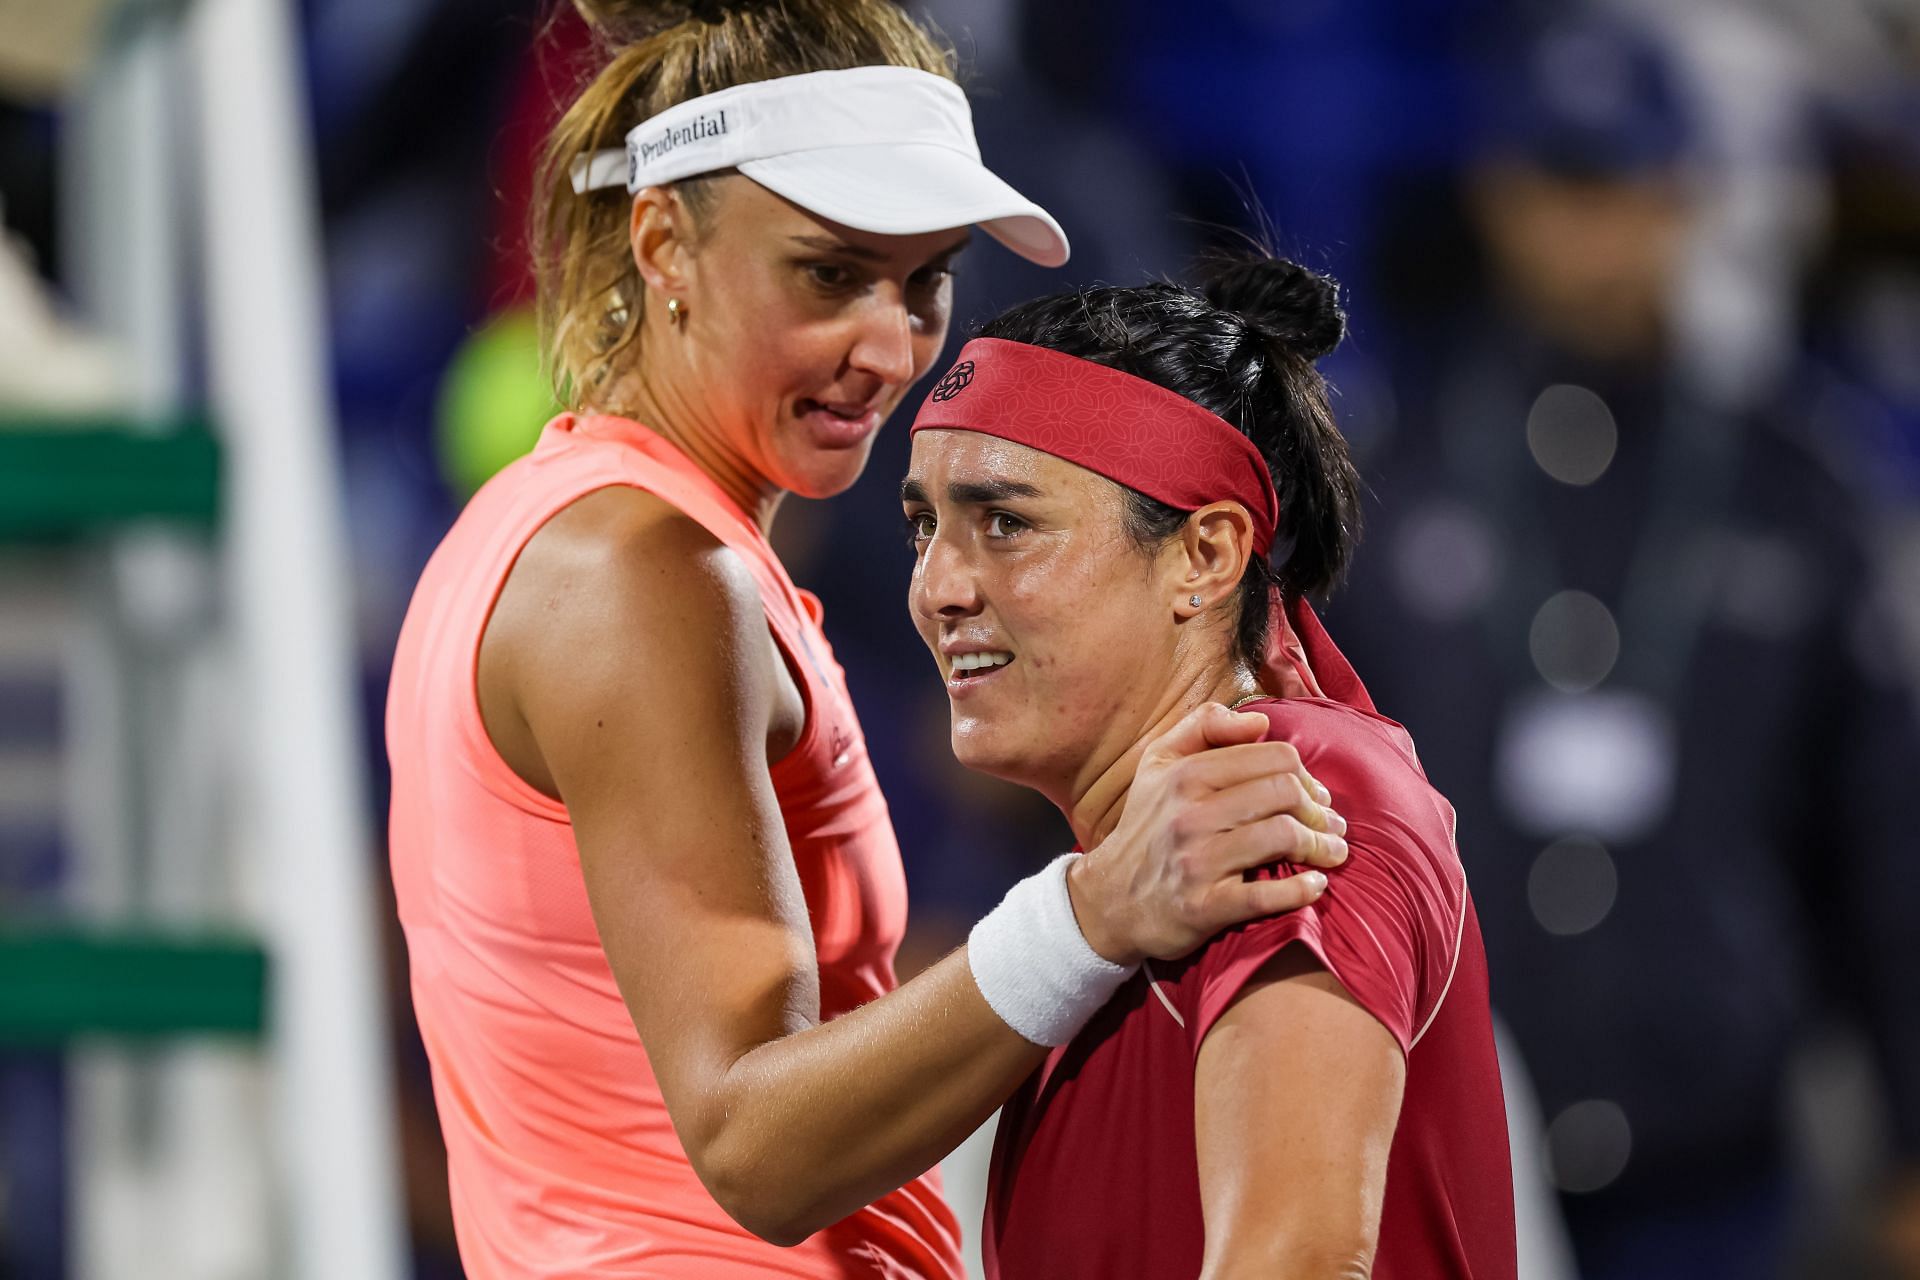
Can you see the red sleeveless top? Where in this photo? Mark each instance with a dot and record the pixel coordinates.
(563, 1162)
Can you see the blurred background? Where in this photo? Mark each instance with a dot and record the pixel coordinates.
(1633, 374)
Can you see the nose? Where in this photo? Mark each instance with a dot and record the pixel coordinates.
(945, 588)
(883, 346)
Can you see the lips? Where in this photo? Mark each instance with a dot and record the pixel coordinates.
(970, 671)
(979, 664)
(839, 425)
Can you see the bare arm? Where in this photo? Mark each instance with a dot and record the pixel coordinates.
(629, 671)
(1291, 1181)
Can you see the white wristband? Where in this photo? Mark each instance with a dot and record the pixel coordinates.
(1033, 964)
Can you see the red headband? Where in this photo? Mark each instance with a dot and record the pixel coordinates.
(1148, 438)
(1127, 429)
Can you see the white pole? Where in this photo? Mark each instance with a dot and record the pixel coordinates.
(305, 815)
(131, 1174)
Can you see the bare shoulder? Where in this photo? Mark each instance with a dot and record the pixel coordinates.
(619, 601)
(615, 569)
(620, 542)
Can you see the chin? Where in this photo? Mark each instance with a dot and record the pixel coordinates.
(828, 473)
(980, 748)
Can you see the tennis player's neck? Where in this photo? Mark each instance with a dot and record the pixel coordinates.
(656, 404)
(1100, 801)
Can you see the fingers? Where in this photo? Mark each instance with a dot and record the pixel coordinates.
(1208, 725)
(1254, 899)
(1225, 767)
(1268, 794)
(1281, 838)
(1224, 727)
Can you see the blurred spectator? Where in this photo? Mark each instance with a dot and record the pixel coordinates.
(1635, 628)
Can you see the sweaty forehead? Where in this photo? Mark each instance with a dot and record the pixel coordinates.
(945, 460)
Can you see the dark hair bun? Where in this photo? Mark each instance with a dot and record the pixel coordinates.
(1241, 348)
(1281, 300)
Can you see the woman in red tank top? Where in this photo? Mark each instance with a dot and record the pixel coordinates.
(650, 891)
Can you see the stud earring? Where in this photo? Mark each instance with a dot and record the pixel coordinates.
(1194, 601)
(674, 312)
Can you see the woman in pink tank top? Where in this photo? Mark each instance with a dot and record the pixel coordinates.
(650, 890)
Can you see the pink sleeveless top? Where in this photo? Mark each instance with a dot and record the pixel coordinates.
(563, 1162)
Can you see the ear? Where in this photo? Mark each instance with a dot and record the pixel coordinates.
(1215, 546)
(660, 234)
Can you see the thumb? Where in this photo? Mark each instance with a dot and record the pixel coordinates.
(1210, 724)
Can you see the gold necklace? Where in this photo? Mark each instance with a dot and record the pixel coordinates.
(1252, 697)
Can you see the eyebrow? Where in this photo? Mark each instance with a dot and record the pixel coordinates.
(971, 493)
(833, 244)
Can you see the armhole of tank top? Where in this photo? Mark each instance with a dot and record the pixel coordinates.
(797, 664)
(492, 768)
(500, 777)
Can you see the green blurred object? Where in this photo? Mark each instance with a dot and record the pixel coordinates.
(493, 401)
(61, 478)
(60, 983)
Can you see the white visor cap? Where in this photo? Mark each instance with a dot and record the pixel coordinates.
(882, 149)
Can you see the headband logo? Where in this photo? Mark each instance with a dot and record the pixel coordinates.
(958, 379)
(703, 127)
